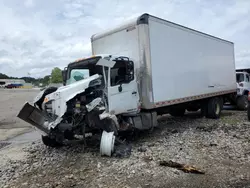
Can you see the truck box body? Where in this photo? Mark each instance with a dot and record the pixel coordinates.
(174, 64)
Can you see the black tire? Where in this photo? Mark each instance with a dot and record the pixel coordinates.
(110, 126)
(177, 112)
(242, 102)
(47, 141)
(214, 107)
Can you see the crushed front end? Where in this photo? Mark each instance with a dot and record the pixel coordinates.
(67, 113)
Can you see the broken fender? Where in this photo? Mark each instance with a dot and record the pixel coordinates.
(33, 116)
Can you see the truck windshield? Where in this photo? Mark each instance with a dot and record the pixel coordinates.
(77, 74)
(239, 77)
(83, 69)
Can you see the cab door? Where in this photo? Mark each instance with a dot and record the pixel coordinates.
(123, 96)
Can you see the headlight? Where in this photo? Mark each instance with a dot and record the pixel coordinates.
(45, 100)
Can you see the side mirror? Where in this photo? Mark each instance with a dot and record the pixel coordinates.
(129, 72)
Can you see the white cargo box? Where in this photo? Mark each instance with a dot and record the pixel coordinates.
(174, 63)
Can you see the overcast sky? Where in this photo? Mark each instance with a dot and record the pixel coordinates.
(37, 35)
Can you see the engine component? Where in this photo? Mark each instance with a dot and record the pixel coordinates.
(93, 104)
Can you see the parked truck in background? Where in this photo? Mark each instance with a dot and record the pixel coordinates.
(243, 87)
(139, 70)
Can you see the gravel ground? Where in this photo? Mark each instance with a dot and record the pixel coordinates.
(220, 148)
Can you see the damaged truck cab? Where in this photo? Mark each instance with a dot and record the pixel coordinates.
(100, 93)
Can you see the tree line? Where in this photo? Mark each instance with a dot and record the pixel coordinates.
(54, 77)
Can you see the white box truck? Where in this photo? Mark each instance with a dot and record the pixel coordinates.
(138, 70)
(243, 88)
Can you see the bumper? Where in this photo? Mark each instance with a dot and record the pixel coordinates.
(34, 116)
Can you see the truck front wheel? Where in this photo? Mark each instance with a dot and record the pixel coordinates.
(47, 141)
(242, 102)
(214, 107)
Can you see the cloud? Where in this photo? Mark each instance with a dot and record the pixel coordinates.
(39, 72)
(6, 61)
(28, 3)
(78, 49)
(39, 35)
(3, 53)
(243, 58)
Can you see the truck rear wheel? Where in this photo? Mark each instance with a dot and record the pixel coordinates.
(242, 102)
(214, 107)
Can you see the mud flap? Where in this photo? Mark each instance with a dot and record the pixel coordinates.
(33, 116)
